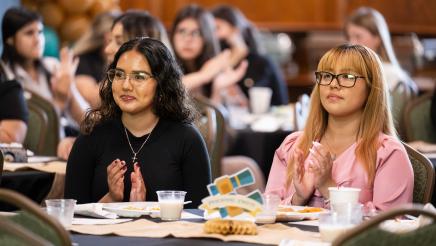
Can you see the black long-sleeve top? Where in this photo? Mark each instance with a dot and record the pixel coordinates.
(174, 158)
(13, 106)
(262, 71)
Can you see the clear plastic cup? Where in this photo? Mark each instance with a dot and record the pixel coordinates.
(269, 212)
(331, 225)
(171, 204)
(62, 210)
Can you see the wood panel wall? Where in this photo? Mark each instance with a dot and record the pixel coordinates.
(309, 15)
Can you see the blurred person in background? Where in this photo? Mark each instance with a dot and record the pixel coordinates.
(22, 60)
(236, 33)
(207, 69)
(367, 26)
(93, 61)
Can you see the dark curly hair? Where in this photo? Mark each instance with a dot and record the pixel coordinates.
(171, 100)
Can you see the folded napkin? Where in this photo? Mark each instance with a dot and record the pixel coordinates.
(94, 210)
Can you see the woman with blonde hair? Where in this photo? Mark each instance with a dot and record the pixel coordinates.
(349, 138)
(367, 26)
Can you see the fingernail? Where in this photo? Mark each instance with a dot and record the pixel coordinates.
(312, 151)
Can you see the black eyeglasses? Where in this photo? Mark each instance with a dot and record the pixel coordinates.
(344, 79)
(138, 78)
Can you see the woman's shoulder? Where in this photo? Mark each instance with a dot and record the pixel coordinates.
(102, 129)
(389, 146)
(388, 143)
(183, 128)
(288, 143)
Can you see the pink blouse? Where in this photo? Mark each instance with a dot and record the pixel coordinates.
(393, 182)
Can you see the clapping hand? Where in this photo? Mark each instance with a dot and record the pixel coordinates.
(64, 75)
(115, 180)
(303, 181)
(320, 164)
(138, 190)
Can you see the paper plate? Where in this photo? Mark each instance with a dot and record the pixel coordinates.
(296, 213)
(132, 209)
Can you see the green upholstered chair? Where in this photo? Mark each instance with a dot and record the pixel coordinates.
(424, 176)
(31, 225)
(400, 95)
(417, 121)
(212, 126)
(369, 233)
(43, 128)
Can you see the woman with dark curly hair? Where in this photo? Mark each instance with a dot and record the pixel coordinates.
(141, 139)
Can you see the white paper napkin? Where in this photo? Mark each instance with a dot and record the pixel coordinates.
(94, 210)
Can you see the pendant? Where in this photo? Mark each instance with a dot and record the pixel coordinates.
(134, 158)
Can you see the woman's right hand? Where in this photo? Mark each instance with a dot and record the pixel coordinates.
(115, 180)
(304, 182)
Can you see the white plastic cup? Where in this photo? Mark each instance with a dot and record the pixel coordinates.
(344, 195)
(62, 210)
(269, 209)
(260, 99)
(171, 204)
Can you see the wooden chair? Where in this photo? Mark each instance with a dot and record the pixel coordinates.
(417, 121)
(212, 126)
(43, 131)
(31, 225)
(424, 176)
(368, 233)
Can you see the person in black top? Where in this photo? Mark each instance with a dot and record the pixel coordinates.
(141, 139)
(236, 33)
(13, 111)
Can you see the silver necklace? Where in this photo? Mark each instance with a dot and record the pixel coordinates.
(131, 148)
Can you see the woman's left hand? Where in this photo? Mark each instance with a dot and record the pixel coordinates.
(320, 164)
(137, 193)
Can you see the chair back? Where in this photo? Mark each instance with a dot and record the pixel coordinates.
(34, 220)
(369, 233)
(424, 176)
(43, 130)
(417, 120)
(400, 95)
(212, 124)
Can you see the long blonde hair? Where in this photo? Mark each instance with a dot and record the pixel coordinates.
(375, 23)
(376, 116)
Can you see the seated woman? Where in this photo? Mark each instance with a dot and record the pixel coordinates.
(130, 25)
(140, 140)
(13, 111)
(22, 60)
(241, 37)
(349, 139)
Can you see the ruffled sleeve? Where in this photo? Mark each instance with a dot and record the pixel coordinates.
(393, 182)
